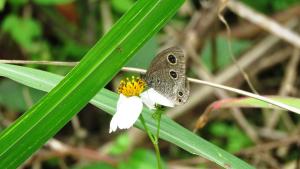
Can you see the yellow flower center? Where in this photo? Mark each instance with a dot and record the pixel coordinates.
(132, 86)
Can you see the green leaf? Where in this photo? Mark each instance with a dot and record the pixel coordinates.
(17, 97)
(144, 56)
(106, 100)
(249, 102)
(29, 132)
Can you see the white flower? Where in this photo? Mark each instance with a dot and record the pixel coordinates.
(130, 105)
(128, 111)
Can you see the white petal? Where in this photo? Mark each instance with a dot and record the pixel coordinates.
(150, 97)
(128, 111)
(147, 100)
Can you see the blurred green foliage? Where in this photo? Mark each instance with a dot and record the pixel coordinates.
(229, 136)
(31, 30)
(120, 144)
(18, 2)
(2, 3)
(52, 2)
(223, 57)
(39, 46)
(122, 6)
(140, 158)
(270, 6)
(27, 33)
(99, 165)
(40, 2)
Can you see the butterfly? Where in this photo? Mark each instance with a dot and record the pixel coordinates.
(167, 75)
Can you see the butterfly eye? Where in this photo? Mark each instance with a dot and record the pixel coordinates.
(180, 93)
(173, 74)
(179, 100)
(172, 59)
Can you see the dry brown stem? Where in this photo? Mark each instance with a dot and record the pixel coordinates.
(264, 147)
(287, 86)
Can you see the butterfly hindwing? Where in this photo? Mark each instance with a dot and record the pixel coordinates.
(167, 75)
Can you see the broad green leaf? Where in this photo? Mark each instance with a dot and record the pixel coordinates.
(106, 100)
(41, 122)
(17, 97)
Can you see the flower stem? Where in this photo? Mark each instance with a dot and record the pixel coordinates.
(154, 140)
(158, 125)
(146, 129)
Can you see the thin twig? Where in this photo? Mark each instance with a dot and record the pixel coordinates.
(61, 63)
(79, 132)
(32, 62)
(229, 45)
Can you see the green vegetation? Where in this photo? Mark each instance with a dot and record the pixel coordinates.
(58, 116)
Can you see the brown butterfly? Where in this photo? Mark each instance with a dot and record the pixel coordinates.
(167, 75)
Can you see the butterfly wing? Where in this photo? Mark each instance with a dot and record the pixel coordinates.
(167, 75)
